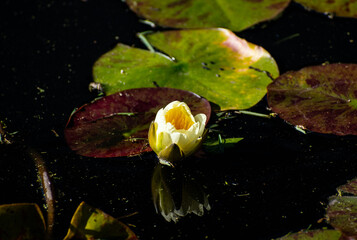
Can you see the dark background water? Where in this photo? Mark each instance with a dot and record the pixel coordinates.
(275, 181)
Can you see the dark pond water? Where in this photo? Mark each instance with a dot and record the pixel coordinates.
(275, 181)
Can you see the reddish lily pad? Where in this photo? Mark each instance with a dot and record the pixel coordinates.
(341, 8)
(90, 223)
(117, 125)
(350, 187)
(214, 63)
(21, 221)
(342, 214)
(236, 15)
(319, 98)
(325, 234)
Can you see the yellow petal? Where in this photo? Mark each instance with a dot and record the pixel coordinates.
(179, 117)
(152, 136)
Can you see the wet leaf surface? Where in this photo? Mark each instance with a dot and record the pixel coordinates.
(213, 63)
(313, 235)
(341, 8)
(91, 223)
(21, 221)
(342, 214)
(118, 124)
(320, 98)
(236, 15)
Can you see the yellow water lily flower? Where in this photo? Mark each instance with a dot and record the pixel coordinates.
(176, 133)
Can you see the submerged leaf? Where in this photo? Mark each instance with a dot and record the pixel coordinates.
(325, 234)
(214, 63)
(90, 223)
(236, 15)
(341, 8)
(320, 98)
(117, 125)
(21, 221)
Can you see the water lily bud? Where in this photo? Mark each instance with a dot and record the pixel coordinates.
(175, 124)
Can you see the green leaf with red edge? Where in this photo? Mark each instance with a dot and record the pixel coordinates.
(90, 223)
(324, 234)
(320, 98)
(342, 214)
(21, 221)
(117, 125)
(213, 63)
(341, 8)
(236, 15)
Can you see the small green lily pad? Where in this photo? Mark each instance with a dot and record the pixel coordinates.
(217, 145)
(319, 98)
(21, 221)
(236, 15)
(325, 234)
(342, 214)
(90, 223)
(213, 63)
(340, 8)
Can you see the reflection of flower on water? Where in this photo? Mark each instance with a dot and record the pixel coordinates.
(175, 194)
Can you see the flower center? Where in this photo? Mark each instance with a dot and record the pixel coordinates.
(179, 118)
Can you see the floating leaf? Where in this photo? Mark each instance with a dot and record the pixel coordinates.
(90, 223)
(320, 98)
(342, 214)
(118, 124)
(218, 145)
(213, 63)
(341, 8)
(325, 234)
(350, 187)
(21, 221)
(236, 15)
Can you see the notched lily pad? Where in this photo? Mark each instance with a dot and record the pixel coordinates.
(118, 124)
(325, 234)
(236, 15)
(342, 214)
(90, 223)
(320, 98)
(214, 63)
(341, 8)
(21, 221)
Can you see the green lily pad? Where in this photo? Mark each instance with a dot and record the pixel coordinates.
(21, 221)
(341, 8)
(90, 223)
(214, 63)
(342, 214)
(218, 145)
(319, 98)
(118, 124)
(236, 15)
(325, 234)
